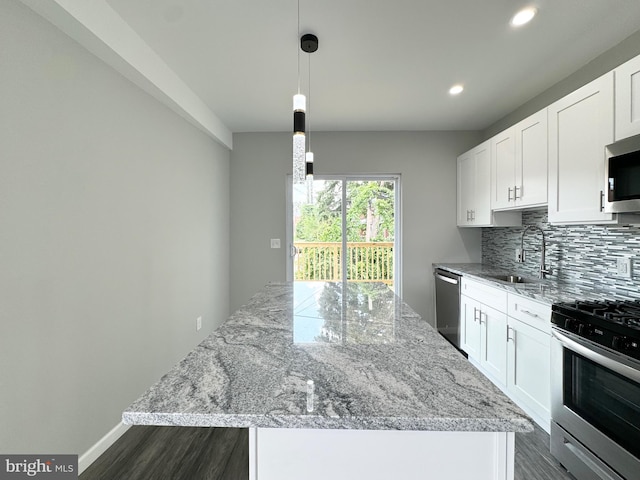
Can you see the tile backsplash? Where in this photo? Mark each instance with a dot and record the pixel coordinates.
(578, 254)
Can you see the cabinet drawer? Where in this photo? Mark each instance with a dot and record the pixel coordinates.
(491, 296)
(531, 312)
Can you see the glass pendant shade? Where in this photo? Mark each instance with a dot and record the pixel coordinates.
(299, 167)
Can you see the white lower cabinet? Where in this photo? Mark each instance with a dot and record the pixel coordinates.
(508, 338)
(484, 338)
(470, 324)
(528, 360)
(528, 371)
(484, 328)
(493, 343)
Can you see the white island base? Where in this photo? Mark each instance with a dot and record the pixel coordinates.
(321, 454)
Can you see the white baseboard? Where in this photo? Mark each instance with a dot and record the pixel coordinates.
(91, 455)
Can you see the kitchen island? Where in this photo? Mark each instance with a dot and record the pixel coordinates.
(340, 380)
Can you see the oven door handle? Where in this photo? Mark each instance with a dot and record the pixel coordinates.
(607, 362)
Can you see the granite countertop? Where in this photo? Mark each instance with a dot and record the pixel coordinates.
(545, 291)
(375, 365)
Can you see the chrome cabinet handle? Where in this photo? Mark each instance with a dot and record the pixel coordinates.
(509, 338)
(515, 193)
(531, 314)
(602, 200)
(475, 314)
(509, 194)
(485, 317)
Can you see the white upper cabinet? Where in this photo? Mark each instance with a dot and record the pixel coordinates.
(519, 164)
(503, 169)
(580, 126)
(482, 196)
(466, 187)
(628, 99)
(474, 191)
(532, 154)
(474, 202)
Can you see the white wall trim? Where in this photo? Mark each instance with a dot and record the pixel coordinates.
(101, 446)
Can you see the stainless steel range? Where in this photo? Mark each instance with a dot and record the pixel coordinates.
(595, 389)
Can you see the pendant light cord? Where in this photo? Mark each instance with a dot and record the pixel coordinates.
(309, 105)
(298, 47)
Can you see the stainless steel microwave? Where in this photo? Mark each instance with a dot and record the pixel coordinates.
(623, 177)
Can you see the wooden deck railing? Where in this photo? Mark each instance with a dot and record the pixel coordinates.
(366, 261)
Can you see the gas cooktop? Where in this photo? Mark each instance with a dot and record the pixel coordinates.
(614, 324)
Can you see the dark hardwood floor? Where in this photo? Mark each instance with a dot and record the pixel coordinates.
(533, 459)
(174, 453)
(191, 453)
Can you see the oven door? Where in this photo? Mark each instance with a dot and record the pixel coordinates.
(595, 398)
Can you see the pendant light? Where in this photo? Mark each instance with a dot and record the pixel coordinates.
(309, 44)
(309, 155)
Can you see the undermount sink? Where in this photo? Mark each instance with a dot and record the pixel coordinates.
(513, 279)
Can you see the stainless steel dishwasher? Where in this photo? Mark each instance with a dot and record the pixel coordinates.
(448, 305)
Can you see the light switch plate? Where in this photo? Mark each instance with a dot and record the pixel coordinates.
(623, 267)
(275, 243)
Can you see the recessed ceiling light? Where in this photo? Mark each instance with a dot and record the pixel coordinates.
(523, 16)
(456, 90)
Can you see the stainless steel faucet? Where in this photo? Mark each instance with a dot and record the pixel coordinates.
(543, 268)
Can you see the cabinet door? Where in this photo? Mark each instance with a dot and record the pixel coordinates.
(470, 325)
(493, 343)
(482, 187)
(628, 99)
(531, 151)
(529, 368)
(503, 170)
(466, 187)
(580, 125)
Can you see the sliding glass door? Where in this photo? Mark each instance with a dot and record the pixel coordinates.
(345, 228)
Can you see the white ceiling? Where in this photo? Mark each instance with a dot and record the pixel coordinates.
(381, 64)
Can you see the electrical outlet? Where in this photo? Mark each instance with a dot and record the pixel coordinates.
(623, 267)
(518, 255)
(198, 323)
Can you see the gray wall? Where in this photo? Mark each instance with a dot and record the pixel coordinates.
(114, 221)
(625, 50)
(427, 164)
